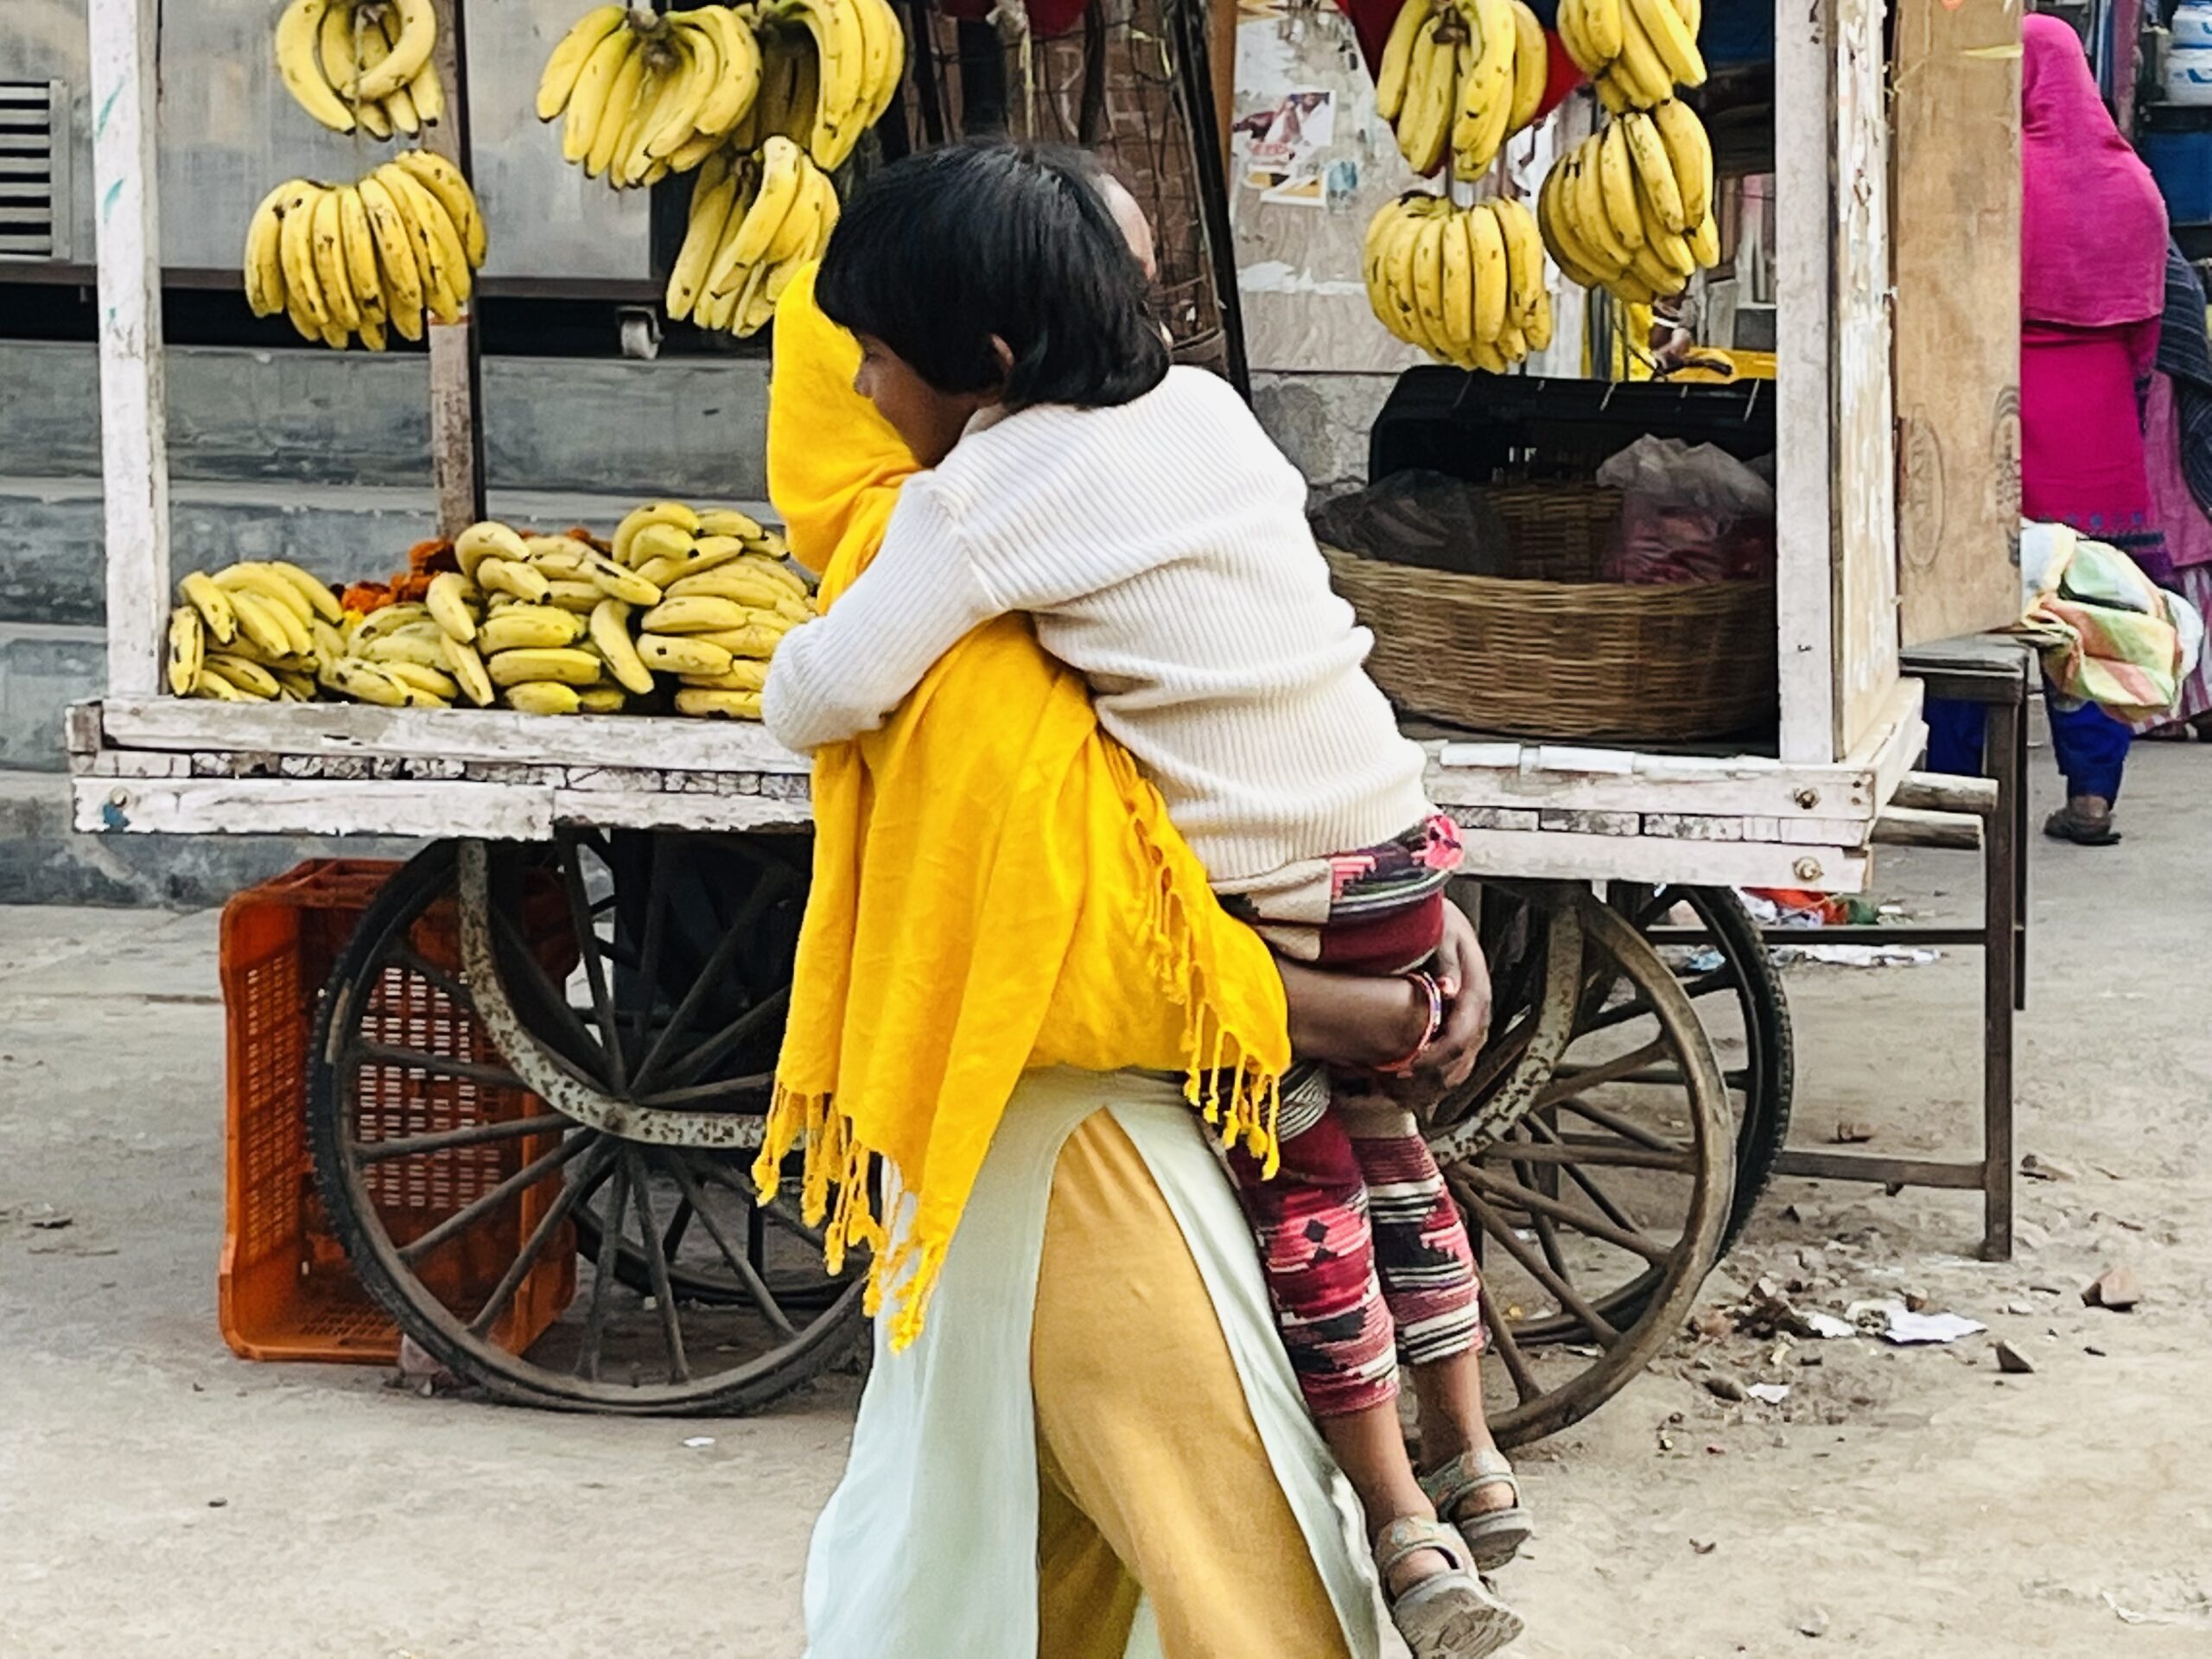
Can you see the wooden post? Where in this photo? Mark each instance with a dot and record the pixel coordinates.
(134, 401)
(456, 373)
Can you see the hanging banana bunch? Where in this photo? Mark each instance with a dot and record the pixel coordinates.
(847, 58)
(1459, 77)
(754, 221)
(1630, 209)
(362, 64)
(1635, 52)
(362, 260)
(646, 95)
(1464, 284)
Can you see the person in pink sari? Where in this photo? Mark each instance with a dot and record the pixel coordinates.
(2093, 264)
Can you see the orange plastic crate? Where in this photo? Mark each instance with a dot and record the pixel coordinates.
(286, 1288)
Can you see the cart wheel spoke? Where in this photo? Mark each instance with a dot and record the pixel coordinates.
(718, 1047)
(422, 968)
(593, 949)
(1516, 1363)
(1626, 1128)
(1558, 1285)
(545, 1164)
(732, 1093)
(744, 1264)
(735, 935)
(1608, 1206)
(602, 1278)
(582, 1048)
(442, 1065)
(1543, 1210)
(671, 1325)
(594, 1170)
(473, 1134)
(1571, 1081)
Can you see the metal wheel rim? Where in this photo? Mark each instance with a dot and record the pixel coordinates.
(1632, 1319)
(588, 1159)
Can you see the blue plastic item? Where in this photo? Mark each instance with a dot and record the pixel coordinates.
(2182, 163)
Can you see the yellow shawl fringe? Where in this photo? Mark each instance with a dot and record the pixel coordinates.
(1070, 924)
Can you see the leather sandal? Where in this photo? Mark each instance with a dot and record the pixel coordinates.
(2082, 828)
(1448, 1615)
(1493, 1535)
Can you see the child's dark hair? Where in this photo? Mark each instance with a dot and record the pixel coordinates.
(947, 249)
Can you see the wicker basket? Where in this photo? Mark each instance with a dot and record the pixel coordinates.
(1552, 652)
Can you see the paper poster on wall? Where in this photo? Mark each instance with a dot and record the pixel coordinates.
(1281, 146)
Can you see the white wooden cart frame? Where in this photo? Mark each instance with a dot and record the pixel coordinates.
(145, 762)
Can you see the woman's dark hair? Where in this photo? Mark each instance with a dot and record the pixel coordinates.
(946, 250)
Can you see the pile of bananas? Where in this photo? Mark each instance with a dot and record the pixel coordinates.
(341, 260)
(1630, 209)
(362, 63)
(1461, 76)
(1635, 52)
(256, 632)
(1464, 284)
(754, 223)
(554, 624)
(646, 95)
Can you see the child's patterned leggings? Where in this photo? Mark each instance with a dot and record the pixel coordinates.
(1366, 1257)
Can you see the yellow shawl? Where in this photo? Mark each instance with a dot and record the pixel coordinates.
(997, 886)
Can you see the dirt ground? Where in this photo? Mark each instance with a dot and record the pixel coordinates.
(159, 1497)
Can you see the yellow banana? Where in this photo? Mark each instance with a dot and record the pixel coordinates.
(1617, 184)
(776, 571)
(389, 619)
(428, 91)
(696, 614)
(727, 705)
(333, 276)
(746, 674)
(571, 594)
(465, 665)
(1640, 73)
(298, 40)
(1705, 243)
(561, 663)
(395, 246)
(1673, 42)
(1486, 88)
(1531, 66)
(1425, 123)
(425, 679)
(1428, 290)
(358, 244)
(617, 581)
(757, 639)
(252, 576)
(728, 521)
(749, 239)
(736, 582)
(1689, 151)
(610, 631)
(559, 556)
(1397, 57)
(736, 79)
(327, 643)
(601, 700)
(302, 288)
(187, 650)
(585, 35)
(622, 101)
(671, 654)
(589, 103)
(528, 627)
(543, 698)
(1486, 242)
(1603, 30)
(1458, 278)
(712, 197)
(489, 538)
(499, 575)
(262, 625)
(637, 520)
(1586, 210)
(1653, 170)
(442, 254)
(422, 643)
(418, 34)
(214, 688)
(264, 264)
(447, 185)
(449, 599)
(677, 119)
(1524, 260)
(294, 686)
(244, 673)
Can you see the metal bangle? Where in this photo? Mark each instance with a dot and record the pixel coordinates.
(1426, 981)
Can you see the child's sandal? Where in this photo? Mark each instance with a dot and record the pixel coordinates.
(1495, 1535)
(1447, 1614)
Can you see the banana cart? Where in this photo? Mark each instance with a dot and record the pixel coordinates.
(544, 1055)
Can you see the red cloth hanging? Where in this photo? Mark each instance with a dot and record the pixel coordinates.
(1047, 17)
(1371, 21)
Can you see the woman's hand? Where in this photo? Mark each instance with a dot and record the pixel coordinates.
(1369, 1023)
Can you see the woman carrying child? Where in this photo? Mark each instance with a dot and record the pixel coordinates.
(1133, 521)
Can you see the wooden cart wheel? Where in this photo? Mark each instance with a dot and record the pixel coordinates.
(591, 1025)
(1741, 1004)
(1593, 1154)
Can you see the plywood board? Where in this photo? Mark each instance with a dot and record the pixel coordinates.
(1863, 487)
(1956, 221)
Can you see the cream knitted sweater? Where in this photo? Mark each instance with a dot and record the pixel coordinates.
(1163, 551)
